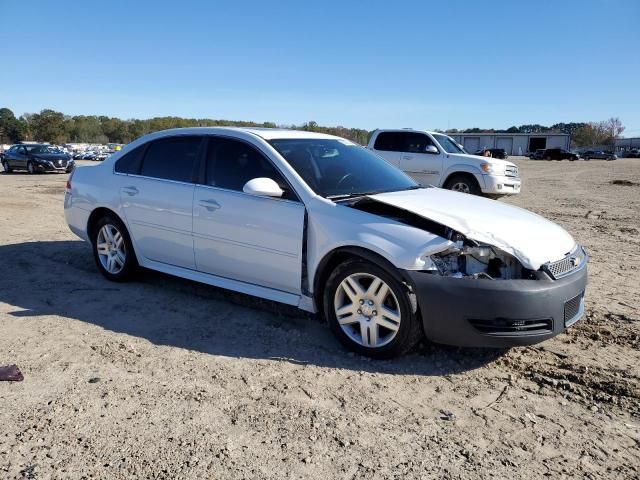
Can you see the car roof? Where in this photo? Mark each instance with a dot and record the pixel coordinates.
(264, 133)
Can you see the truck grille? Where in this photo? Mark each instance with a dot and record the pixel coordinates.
(511, 327)
(511, 171)
(572, 309)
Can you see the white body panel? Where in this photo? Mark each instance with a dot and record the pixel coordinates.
(259, 245)
(159, 215)
(248, 238)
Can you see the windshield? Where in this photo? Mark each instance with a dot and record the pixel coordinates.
(339, 168)
(448, 144)
(41, 149)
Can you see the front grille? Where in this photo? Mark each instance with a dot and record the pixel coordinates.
(568, 264)
(511, 171)
(572, 309)
(511, 327)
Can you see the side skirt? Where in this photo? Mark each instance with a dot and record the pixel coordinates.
(222, 282)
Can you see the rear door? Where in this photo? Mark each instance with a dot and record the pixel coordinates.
(245, 237)
(20, 158)
(389, 145)
(423, 166)
(158, 201)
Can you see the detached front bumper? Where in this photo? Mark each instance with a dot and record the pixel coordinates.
(497, 313)
(501, 185)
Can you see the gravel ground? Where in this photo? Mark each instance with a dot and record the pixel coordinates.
(165, 378)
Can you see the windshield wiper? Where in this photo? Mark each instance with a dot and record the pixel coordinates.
(343, 196)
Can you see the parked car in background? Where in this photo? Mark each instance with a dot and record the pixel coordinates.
(36, 158)
(319, 222)
(559, 154)
(598, 155)
(433, 158)
(537, 155)
(495, 153)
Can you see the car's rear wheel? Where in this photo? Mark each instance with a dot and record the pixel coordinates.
(6, 167)
(113, 250)
(463, 184)
(30, 168)
(370, 311)
(547, 158)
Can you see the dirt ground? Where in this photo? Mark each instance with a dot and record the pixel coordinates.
(165, 378)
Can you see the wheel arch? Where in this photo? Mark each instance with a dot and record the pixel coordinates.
(97, 214)
(341, 254)
(461, 169)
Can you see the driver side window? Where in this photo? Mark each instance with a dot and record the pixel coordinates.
(415, 142)
(230, 164)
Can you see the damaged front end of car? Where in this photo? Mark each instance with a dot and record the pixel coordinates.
(469, 259)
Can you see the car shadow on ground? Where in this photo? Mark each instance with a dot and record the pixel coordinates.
(60, 278)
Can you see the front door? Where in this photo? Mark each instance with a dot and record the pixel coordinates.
(424, 166)
(244, 237)
(158, 202)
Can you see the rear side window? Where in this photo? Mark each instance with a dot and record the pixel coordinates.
(231, 164)
(131, 162)
(388, 142)
(402, 142)
(171, 158)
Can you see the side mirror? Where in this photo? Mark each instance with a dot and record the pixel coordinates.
(263, 187)
(431, 149)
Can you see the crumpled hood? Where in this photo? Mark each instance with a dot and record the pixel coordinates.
(530, 238)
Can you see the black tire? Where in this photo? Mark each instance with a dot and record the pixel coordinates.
(547, 158)
(587, 159)
(30, 168)
(6, 167)
(463, 179)
(131, 263)
(409, 331)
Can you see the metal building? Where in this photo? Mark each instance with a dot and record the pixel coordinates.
(513, 143)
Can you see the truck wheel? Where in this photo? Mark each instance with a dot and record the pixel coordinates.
(369, 310)
(547, 158)
(463, 183)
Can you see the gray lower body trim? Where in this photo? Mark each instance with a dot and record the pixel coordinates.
(497, 313)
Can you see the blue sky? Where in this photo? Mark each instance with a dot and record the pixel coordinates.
(359, 64)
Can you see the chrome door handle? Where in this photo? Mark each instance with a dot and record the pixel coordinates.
(210, 204)
(131, 191)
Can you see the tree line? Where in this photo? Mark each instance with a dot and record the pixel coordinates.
(57, 128)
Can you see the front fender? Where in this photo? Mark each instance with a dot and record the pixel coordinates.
(463, 168)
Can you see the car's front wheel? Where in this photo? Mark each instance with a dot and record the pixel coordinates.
(464, 183)
(113, 250)
(370, 310)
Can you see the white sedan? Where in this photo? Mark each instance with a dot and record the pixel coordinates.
(319, 222)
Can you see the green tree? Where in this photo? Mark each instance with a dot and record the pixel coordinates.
(48, 126)
(12, 130)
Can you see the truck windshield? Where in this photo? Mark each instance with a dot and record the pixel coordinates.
(335, 168)
(448, 144)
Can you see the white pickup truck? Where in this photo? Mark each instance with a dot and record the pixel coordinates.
(433, 158)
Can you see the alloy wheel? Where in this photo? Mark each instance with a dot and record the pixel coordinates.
(461, 187)
(111, 249)
(367, 310)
